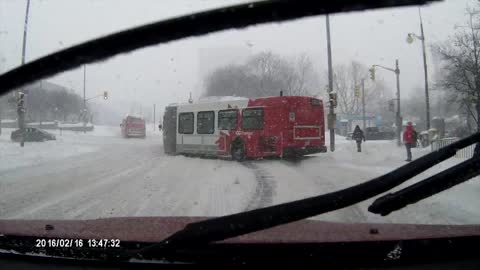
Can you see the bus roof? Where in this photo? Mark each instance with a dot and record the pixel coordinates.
(223, 103)
(134, 116)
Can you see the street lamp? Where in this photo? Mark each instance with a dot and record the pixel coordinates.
(410, 39)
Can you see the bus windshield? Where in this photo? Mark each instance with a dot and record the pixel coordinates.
(252, 119)
(227, 119)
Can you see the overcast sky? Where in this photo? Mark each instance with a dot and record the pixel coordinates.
(168, 72)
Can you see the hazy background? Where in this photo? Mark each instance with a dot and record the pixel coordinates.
(168, 72)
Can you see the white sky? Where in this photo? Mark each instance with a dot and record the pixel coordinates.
(167, 73)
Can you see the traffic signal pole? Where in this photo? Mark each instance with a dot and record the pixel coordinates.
(363, 105)
(398, 120)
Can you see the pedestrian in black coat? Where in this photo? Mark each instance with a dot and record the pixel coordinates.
(358, 136)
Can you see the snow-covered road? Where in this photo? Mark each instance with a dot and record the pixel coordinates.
(100, 174)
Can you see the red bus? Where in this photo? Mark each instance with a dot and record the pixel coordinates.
(243, 128)
(133, 127)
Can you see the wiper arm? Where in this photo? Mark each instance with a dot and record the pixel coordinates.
(221, 228)
(426, 188)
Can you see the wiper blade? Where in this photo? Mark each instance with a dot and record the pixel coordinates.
(221, 228)
(191, 25)
(426, 188)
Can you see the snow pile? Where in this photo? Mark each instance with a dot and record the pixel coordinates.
(9, 120)
(13, 156)
(67, 125)
(42, 123)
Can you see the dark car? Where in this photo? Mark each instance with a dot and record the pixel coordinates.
(375, 133)
(32, 135)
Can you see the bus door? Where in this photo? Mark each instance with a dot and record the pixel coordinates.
(253, 123)
(227, 126)
(170, 130)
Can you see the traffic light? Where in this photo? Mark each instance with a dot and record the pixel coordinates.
(21, 99)
(391, 105)
(333, 99)
(21, 103)
(105, 95)
(372, 73)
(357, 91)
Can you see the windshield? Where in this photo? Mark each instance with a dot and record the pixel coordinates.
(245, 127)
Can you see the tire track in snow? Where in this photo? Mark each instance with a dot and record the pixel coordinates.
(351, 213)
(264, 190)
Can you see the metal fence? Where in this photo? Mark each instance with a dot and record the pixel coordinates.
(466, 152)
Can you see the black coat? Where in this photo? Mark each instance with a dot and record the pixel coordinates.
(358, 135)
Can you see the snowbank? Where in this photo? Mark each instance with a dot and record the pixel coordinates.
(67, 125)
(13, 156)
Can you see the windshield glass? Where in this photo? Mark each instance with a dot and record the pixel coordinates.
(239, 119)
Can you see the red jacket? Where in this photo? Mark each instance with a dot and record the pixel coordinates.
(409, 135)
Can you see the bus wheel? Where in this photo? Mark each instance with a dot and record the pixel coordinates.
(238, 151)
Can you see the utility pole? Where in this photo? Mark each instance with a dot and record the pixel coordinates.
(410, 39)
(21, 110)
(154, 117)
(363, 105)
(84, 114)
(427, 99)
(1, 32)
(331, 112)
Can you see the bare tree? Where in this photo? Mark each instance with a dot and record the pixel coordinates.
(348, 78)
(264, 74)
(45, 103)
(229, 81)
(460, 60)
(301, 78)
(270, 72)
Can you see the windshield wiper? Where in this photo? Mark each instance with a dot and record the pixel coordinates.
(217, 229)
(190, 25)
(426, 188)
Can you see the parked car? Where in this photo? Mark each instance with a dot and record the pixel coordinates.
(32, 135)
(375, 133)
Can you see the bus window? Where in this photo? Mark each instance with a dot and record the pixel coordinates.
(252, 119)
(205, 122)
(227, 119)
(185, 123)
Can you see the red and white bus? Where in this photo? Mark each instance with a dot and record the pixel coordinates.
(133, 126)
(243, 128)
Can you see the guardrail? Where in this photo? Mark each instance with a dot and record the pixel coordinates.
(466, 152)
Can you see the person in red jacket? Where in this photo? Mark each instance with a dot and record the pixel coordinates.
(409, 139)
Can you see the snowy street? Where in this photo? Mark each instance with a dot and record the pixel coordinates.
(100, 174)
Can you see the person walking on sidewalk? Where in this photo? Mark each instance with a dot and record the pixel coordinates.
(358, 136)
(409, 140)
